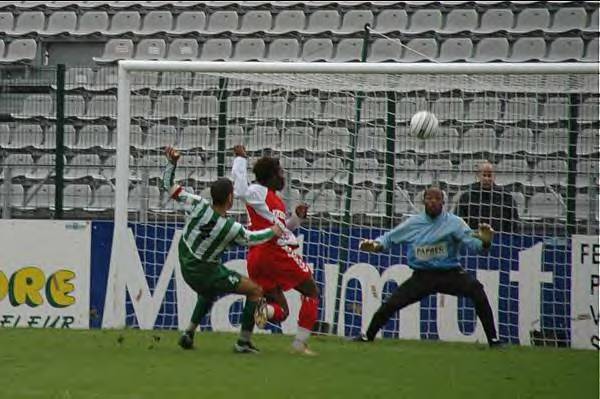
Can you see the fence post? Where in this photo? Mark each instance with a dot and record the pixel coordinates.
(60, 140)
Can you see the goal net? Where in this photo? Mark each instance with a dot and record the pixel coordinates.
(341, 132)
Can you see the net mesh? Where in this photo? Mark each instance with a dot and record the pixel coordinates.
(345, 144)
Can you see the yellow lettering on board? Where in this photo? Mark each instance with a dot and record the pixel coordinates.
(3, 286)
(25, 285)
(58, 288)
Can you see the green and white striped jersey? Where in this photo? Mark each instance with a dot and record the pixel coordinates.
(206, 233)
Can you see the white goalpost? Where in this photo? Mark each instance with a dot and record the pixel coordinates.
(341, 132)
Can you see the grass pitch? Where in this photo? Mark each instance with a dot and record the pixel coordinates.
(131, 364)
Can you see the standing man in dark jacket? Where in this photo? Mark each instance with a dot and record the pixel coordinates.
(485, 202)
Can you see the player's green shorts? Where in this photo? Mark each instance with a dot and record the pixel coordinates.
(208, 279)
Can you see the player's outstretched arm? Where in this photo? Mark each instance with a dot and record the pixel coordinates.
(251, 238)
(239, 173)
(176, 192)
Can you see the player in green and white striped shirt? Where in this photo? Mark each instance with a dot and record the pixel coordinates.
(206, 234)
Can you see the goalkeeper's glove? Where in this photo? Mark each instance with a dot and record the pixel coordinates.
(370, 246)
(485, 234)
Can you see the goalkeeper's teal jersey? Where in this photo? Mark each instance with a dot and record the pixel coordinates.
(206, 233)
(433, 243)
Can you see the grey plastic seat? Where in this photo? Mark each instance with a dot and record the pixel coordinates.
(519, 109)
(586, 207)
(77, 78)
(490, 49)
(83, 166)
(142, 80)
(159, 136)
(124, 22)
(263, 137)
(467, 174)
(446, 140)
(297, 138)
(528, 49)
(141, 106)
(234, 135)
(455, 49)
(420, 50)
(239, 107)
(43, 198)
(496, 20)
(588, 142)
(136, 197)
(36, 105)
(515, 140)
(92, 22)
(105, 78)
(92, 136)
(101, 107)
(435, 170)
(323, 170)
(371, 139)
(461, 20)
(355, 20)
(20, 50)
(555, 109)
(402, 203)
(216, 50)
(21, 165)
(348, 50)
(483, 109)
(151, 49)
(70, 138)
(339, 108)
(284, 50)
(325, 201)
(362, 202)
(304, 107)
(16, 195)
(156, 22)
(317, 50)
(7, 23)
(591, 52)
(565, 49)
(183, 50)
(589, 110)
(332, 139)
(195, 137)
(255, 21)
(449, 109)
(289, 21)
(249, 50)
(294, 166)
(29, 22)
(551, 141)
(594, 20)
(222, 21)
(270, 107)
(60, 22)
(189, 22)
(427, 20)
(532, 19)
(477, 140)
(26, 136)
(116, 49)
(405, 171)
(202, 107)
(391, 20)
(550, 172)
(168, 106)
(5, 135)
(511, 171)
(569, 18)
(322, 21)
(74, 107)
(587, 173)
(373, 108)
(383, 50)
(406, 107)
(103, 198)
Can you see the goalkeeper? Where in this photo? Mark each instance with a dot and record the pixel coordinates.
(206, 234)
(434, 239)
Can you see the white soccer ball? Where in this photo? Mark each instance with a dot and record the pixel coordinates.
(423, 125)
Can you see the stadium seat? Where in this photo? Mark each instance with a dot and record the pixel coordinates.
(60, 22)
(263, 137)
(234, 135)
(515, 140)
(42, 198)
(202, 107)
(255, 21)
(373, 109)
(168, 106)
(216, 50)
(77, 78)
(294, 166)
(70, 138)
(249, 50)
(425, 20)
(297, 138)
(136, 137)
(183, 50)
(170, 81)
(436, 171)
(20, 51)
(5, 135)
(348, 50)
(362, 202)
(151, 49)
(339, 108)
(366, 170)
(323, 201)
(528, 49)
(287, 49)
(124, 22)
(222, 21)
(304, 107)
(287, 21)
(7, 22)
(391, 20)
(402, 203)
(446, 140)
(101, 107)
(15, 196)
(551, 141)
(76, 196)
(586, 207)
(26, 136)
(317, 50)
(460, 20)
(420, 50)
(151, 165)
(103, 198)
(404, 141)
(594, 20)
(532, 19)
(156, 22)
(467, 171)
(92, 22)
(591, 51)
(239, 107)
(483, 109)
(136, 197)
(385, 50)
(490, 49)
(521, 108)
(449, 109)
(189, 22)
(589, 110)
(455, 49)
(29, 22)
(406, 107)
(270, 107)
(323, 170)
(519, 199)
(546, 206)
(197, 137)
(92, 136)
(495, 20)
(105, 78)
(354, 21)
(587, 173)
(114, 50)
(43, 168)
(159, 136)
(405, 171)
(555, 109)
(322, 21)
(588, 142)
(569, 18)
(83, 166)
(331, 139)
(371, 139)
(36, 105)
(550, 172)
(141, 106)
(565, 49)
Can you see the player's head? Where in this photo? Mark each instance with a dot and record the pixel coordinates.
(221, 193)
(269, 173)
(433, 199)
(486, 175)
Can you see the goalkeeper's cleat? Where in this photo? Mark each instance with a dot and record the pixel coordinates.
(245, 347)
(361, 338)
(260, 313)
(495, 343)
(301, 348)
(186, 341)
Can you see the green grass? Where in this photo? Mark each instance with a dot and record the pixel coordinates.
(148, 364)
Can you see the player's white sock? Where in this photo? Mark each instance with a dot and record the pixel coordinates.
(301, 336)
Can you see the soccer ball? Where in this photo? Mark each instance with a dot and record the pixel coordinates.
(423, 125)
